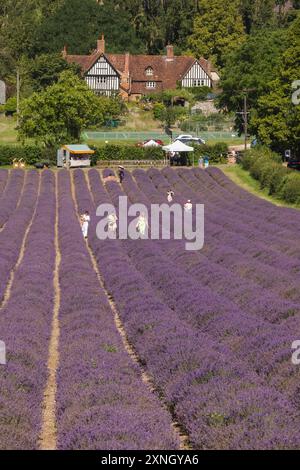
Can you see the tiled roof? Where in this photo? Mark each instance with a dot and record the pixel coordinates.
(166, 70)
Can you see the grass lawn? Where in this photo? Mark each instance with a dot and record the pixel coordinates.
(243, 179)
(8, 133)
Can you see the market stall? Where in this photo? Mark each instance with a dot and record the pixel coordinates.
(74, 156)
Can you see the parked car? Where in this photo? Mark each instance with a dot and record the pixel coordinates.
(189, 139)
(294, 164)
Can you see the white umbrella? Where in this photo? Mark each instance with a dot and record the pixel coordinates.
(151, 143)
(178, 146)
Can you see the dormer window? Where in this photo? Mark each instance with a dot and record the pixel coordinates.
(149, 71)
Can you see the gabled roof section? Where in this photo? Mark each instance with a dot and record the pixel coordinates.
(167, 71)
(86, 62)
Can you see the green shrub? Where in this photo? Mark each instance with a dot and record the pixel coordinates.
(30, 153)
(291, 188)
(217, 153)
(266, 167)
(126, 152)
(278, 174)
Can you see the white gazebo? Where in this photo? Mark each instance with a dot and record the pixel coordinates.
(151, 143)
(177, 147)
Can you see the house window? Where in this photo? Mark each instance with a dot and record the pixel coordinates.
(199, 82)
(101, 79)
(149, 71)
(151, 85)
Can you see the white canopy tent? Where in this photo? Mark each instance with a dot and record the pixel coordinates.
(151, 143)
(177, 147)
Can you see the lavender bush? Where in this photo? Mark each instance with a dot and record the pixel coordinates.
(11, 195)
(25, 324)
(3, 180)
(102, 401)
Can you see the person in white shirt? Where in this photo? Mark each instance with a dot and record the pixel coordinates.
(142, 224)
(112, 222)
(188, 206)
(170, 195)
(85, 218)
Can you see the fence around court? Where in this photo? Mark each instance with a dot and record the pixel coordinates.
(141, 136)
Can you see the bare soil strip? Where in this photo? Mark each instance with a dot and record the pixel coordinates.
(21, 254)
(48, 437)
(146, 378)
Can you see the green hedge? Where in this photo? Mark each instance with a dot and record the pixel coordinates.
(217, 153)
(127, 152)
(266, 167)
(30, 153)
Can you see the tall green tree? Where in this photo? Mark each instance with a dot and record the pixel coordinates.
(60, 113)
(79, 24)
(277, 118)
(218, 30)
(251, 67)
(46, 69)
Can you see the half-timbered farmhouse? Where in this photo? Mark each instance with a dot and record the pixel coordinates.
(136, 75)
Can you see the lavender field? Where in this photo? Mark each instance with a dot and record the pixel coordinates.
(123, 344)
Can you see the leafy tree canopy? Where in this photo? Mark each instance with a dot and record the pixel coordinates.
(62, 111)
(78, 24)
(251, 67)
(277, 118)
(217, 31)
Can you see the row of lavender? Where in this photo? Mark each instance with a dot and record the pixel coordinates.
(12, 235)
(188, 365)
(102, 401)
(250, 217)
(25, 322)
(250, 260)
(199, 266)
(267, 347)
(281, 215)
(3, 180)
(10, 195)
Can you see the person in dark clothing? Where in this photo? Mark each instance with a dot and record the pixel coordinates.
(121, 173)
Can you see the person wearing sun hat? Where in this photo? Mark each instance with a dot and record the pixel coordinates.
(121, 173)
(188, 206)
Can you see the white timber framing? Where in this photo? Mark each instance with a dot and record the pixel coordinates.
(196, 77)
(103, 78)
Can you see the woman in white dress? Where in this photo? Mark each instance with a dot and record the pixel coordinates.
(142, 224)
(188, 206)
(170, 195)
(85, 223)
(112, 222)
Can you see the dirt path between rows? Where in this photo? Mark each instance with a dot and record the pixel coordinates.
(48, 437)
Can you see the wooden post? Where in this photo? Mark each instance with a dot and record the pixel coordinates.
(18, 95)
(246, 120)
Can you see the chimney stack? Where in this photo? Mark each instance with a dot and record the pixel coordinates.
(170, 52)
(64, 52)
(127, 57)
(101, 45)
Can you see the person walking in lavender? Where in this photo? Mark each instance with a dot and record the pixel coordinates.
(112, 222)
(170, 195)
(85, 220)
(121, 174)
(142, 224)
